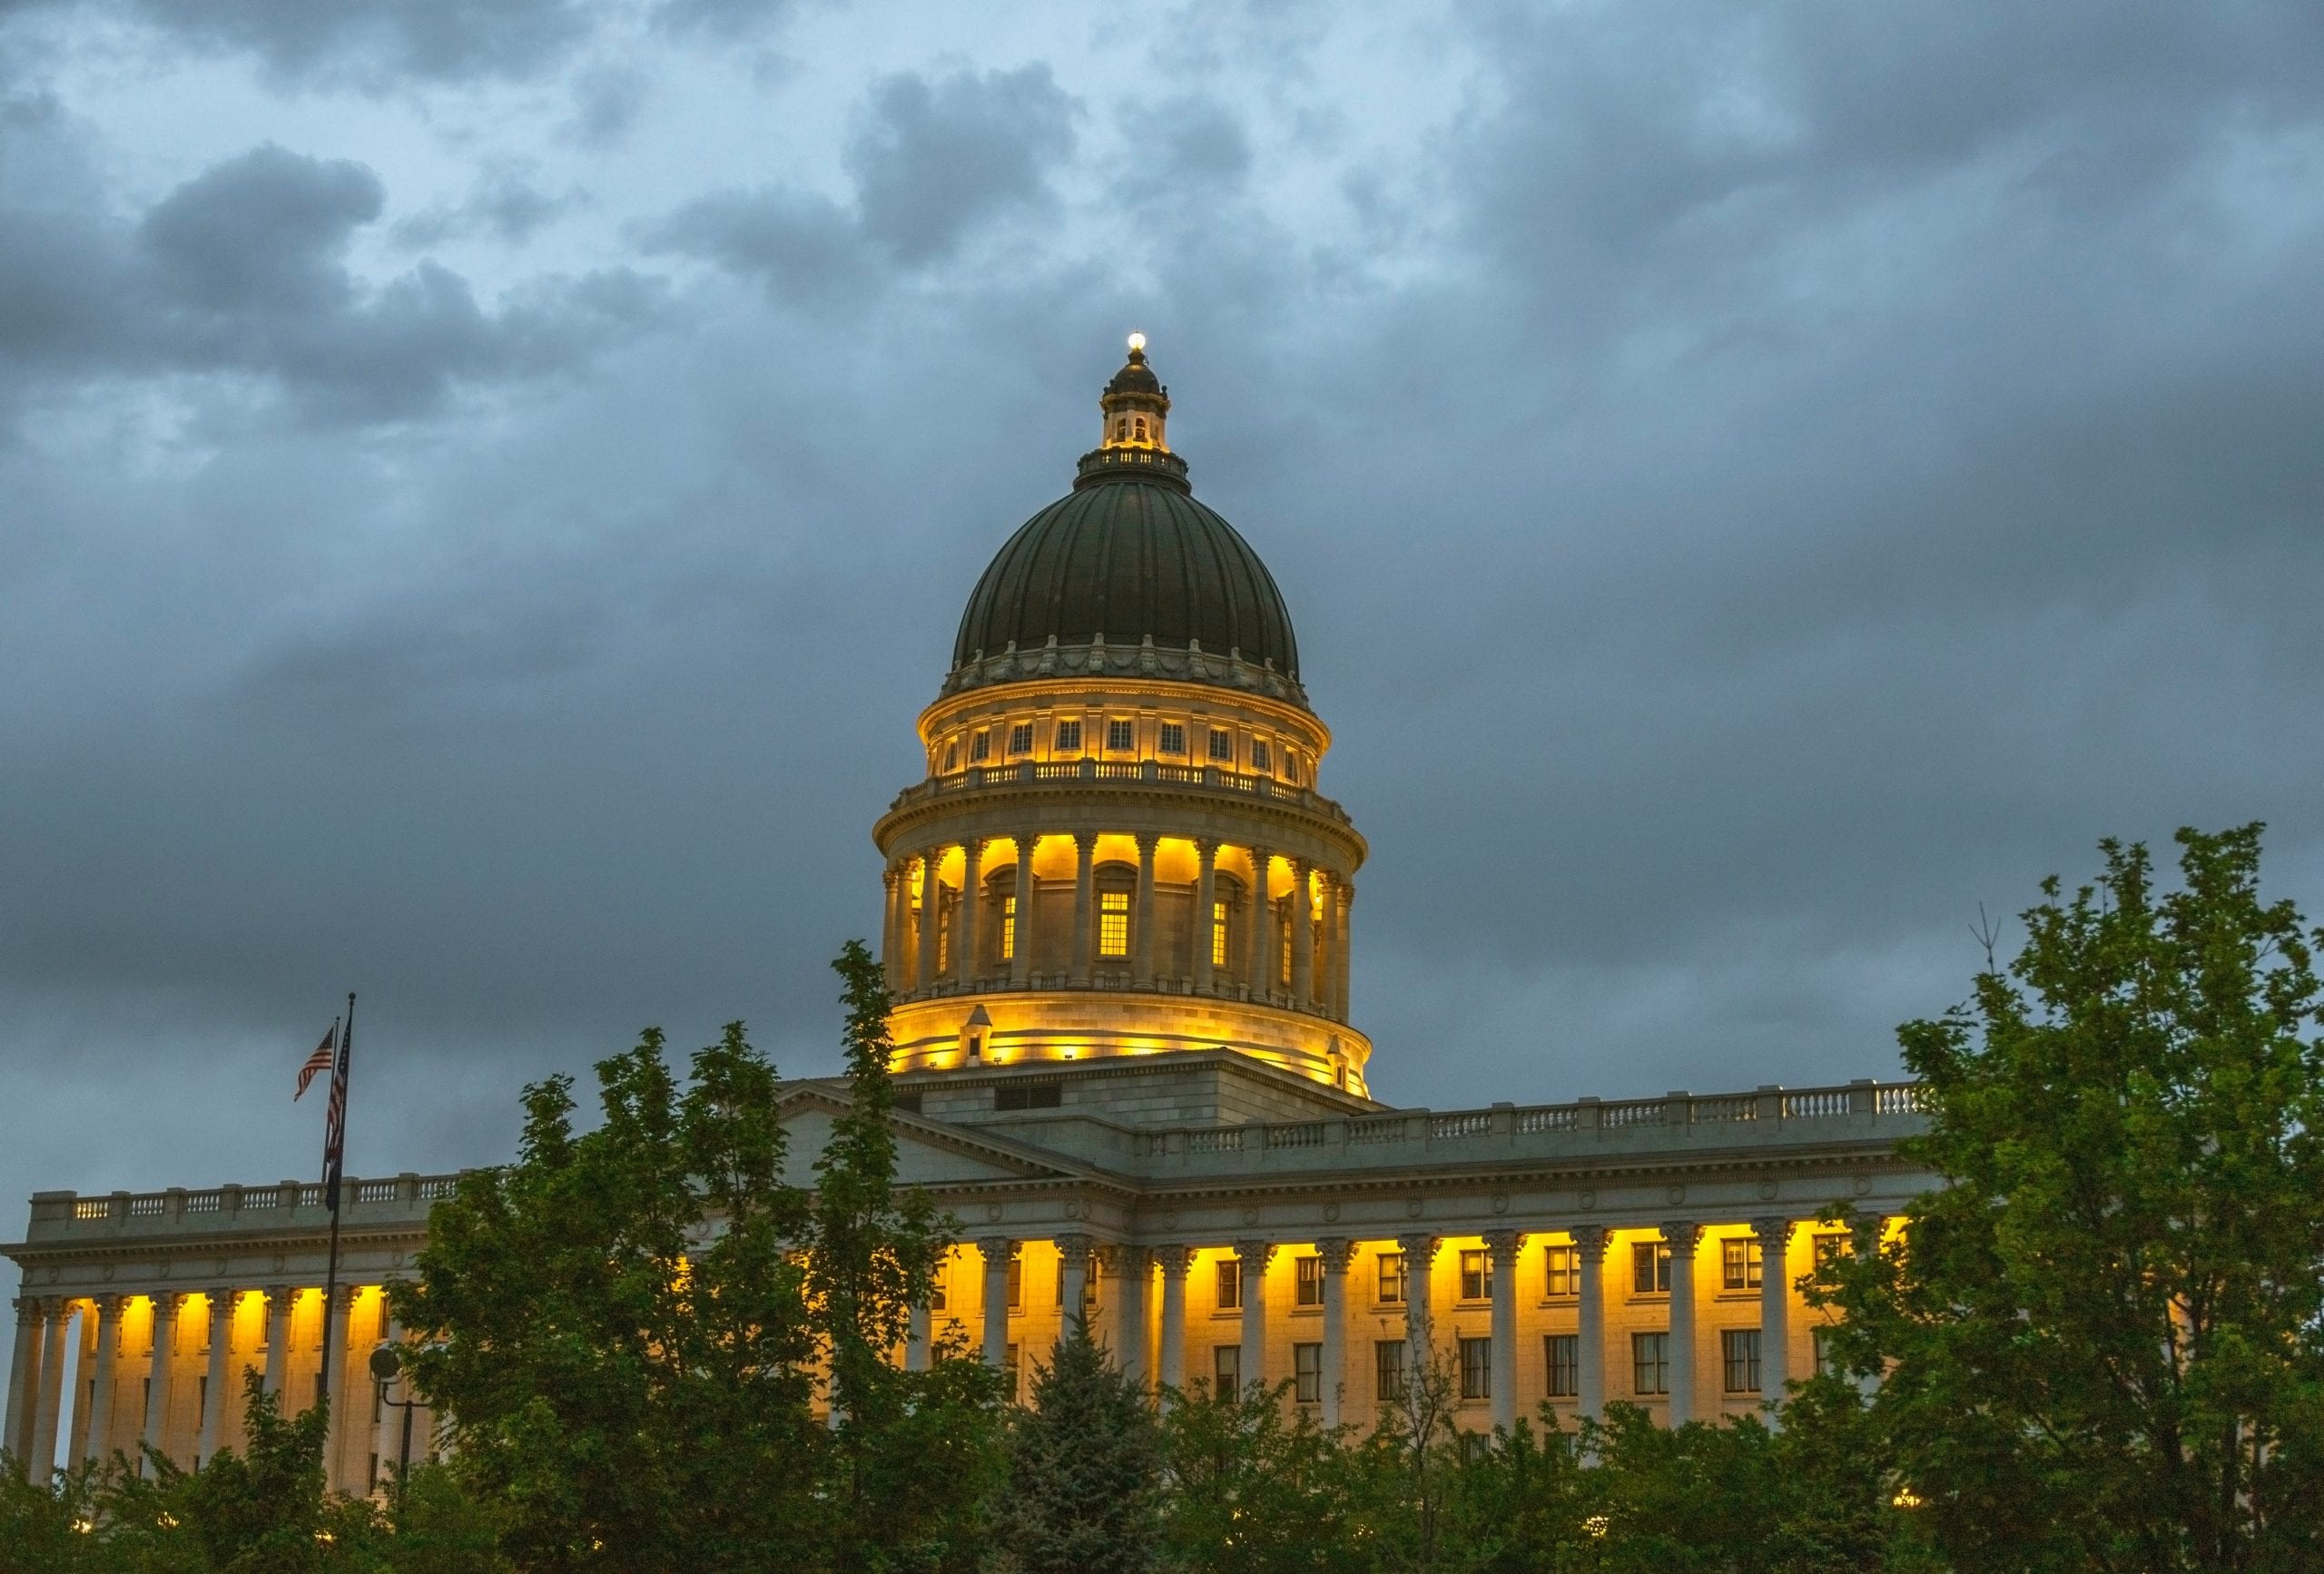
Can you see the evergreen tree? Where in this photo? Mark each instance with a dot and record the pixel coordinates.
(2101, 1341)
(1085, 1469)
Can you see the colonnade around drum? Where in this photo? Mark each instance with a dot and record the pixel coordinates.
(1097, 918)
(150, 1371)
(1514, 1317)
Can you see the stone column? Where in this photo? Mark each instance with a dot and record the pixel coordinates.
(278, 1339)
(1142, 942)
(1683, 1235)
(997, 1250)
(1333, 1358)
(1501, 1250)
(1205, 904)
(930, 888)
(1073, 1281)
(339, 1310)
(1085, 899)
(1344, 899)
(964, 931)
(1420, 1256)
(222, 1350)
(158, 1370)
(101, 1405)
(1327, 941)
(1303, 936)
(1775, 1308)
(917, 1332)
(389, 1444)
(23, 1385)
(1021, 957)
(892, 962)
(50, 1408)
(1258, 976)
(1170, 1363)
(1124, 1294)
(1589, 1345)
(1253, 1254)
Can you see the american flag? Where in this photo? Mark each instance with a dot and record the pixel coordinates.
(335, 1118)
(319, 1061)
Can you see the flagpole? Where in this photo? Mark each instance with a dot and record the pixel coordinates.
(333, 1157)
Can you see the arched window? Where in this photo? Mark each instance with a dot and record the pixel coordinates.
(1121, 430)
(1141, 429)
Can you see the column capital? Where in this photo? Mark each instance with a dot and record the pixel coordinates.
(1683, 1236)
(1252, 1251)
(278, 1294)
(345, 1297)
(1773, 1230)
(1336, 1252)
(1590, 1242)
(170, 1301)
(1207, 846)
(1075, 1249)
(108, 1305)
(1503, 1245)
(1026, 841)
(221, 1295)
(1147, 840)
(1420, 1247)
(997, 1246)
(1085, 841)
(1173, 1259)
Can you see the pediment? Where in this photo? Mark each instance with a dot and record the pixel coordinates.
(928, 1152)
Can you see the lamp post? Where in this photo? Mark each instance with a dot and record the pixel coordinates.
(387, 1368)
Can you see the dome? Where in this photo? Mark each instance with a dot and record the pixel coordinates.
(1127, 556)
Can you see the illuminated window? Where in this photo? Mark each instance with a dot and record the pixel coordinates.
(1831, 1246)
(1113, 923)
(1069, 737)
(1307, 1280)
(1476, 1369)
(1476, 1277)
(1008, 929)
(952, 756)
(944, 939)
(1218, 934)
(979, 747)
(1650, 1268)
(1391, 1278)
(1561, 1352)
(1020, 738)
(1738, 1265)
(1388, 1371)
(1222, 744)
(1141, 429)
(1121, 430)
(1564, 1269)
(1174, 738)
(1230, 1284)
(1282, 928)
(1121, 733)
(1227, 1372)
(1650, 1363)
(1259, 756)
(936, 1296)
(1738, 1350)
(1307, 1374)
(1015, 1282)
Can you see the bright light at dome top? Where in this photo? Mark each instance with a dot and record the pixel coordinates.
(1137, 341)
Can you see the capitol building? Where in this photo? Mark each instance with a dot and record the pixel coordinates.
(1119, 920)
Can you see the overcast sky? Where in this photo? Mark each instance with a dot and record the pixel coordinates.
(487, 484)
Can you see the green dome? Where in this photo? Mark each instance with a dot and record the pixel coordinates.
(1128, 556)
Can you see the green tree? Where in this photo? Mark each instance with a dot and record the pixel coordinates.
(2102, 1341)
(1085, 1469)
(620, 1338)
(1253, 1490)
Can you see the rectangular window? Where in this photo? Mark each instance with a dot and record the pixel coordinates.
(1561, 1353)
(1230, 1284)
(1069, 737)
(1388, 1371)
(1222, 745)
(1015, 1282)
(1307, 1280)
(1259, 757)
(1113, 923)
(1391, 1278)
(1043, 1094)
(1562, 1270)
(979, 747)
(951, 756)
(1476, 1369)
(1476, 1277)
(1020, 738)
(1218, 934)
(1650, 1268)
(1307, 1374)
(1174, 738)
(1227, 1371)
(1121, 734)
(1831, 1246)
(1738, 1264)
(1738, 1352)
(1827, 1355)
(937, 1298)
(1008, 927)
(1650, 1365)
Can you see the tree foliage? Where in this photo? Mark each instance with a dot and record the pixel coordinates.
(1085, 1469)
(2100, 1340)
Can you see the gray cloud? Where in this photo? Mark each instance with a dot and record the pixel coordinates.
(934, 158)
(504, 204)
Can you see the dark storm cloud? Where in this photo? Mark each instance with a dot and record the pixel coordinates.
(1751, 485)
(243, 270)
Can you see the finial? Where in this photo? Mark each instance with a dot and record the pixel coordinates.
(1136, 343)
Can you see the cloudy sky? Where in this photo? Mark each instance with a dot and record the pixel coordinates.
(486, 486)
